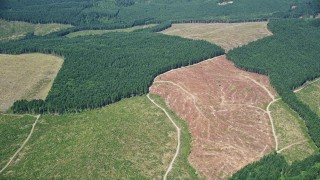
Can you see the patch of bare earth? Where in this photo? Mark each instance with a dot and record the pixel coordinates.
(225, 110)
(26, 76)
(226, 35)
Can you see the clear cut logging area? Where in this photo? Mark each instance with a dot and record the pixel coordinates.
(225, 110)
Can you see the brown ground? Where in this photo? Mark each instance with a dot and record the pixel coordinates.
(26, 76)
(226, 35)
(225, 111)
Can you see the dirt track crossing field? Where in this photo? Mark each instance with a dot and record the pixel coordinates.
(178, 137)
(225, 112)
(22, 146)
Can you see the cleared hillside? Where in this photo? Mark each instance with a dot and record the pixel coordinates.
(224, 109)
(10, 30)
(226, 35)
(26, 76)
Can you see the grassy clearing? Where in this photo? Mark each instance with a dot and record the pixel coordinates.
(181, 168)
(14, 130)
(99, 32)
(311, 96)
(128, 139)
(226, 35)
(17, 29)
(26, 76)
(290, 128)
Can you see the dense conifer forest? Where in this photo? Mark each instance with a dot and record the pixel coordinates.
(274, 166)
(108, 14)
(99, 70)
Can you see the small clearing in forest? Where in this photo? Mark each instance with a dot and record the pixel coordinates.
(10, 30)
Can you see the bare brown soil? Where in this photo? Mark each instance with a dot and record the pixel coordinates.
(225, 111)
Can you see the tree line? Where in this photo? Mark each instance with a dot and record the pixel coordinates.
(101, 14)
(274, 166)
(99, 70)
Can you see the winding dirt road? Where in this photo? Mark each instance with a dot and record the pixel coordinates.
(305, 85)
(178, 136)
(268, 107)
(22, 146)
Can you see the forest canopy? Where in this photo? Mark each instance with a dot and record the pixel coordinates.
(107, 14)
(99, 70)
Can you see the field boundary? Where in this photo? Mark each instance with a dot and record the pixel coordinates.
(305, 85)
(22, 146)
(178, 135)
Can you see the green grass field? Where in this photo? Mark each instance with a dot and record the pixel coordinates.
(128, 139)
(17, 29)
(181, 168)
(291, 129)
(13, 130)
(311, 96)
(99, 32)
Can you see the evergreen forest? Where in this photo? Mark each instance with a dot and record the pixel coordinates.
(274, 166)
(109, 14)
(99, 70)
